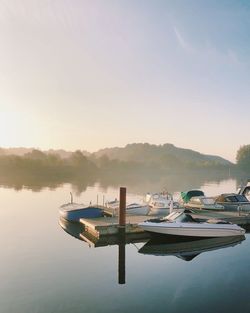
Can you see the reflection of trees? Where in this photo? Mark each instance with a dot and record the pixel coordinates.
(22, 180)
(159, 181)
(80, 184)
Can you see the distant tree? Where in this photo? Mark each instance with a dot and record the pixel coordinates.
(170, 161)
(81, 164)
(243, 157)
(35, 155)
(78, 159)
(103, 161)
(2, 152)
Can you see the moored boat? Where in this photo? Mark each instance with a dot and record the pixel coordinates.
(233, 202)
(187, 195)
(131, 209)
(75, 211)
(203, 203)
(161, 203)
(183, 224)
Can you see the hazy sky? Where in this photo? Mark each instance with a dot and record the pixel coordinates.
(78, 74)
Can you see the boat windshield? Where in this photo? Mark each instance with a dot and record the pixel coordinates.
(180, 217)
(241, 198)
(236, 198)
(208, 201)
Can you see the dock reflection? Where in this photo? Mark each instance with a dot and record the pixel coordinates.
(76, 230)
(186, 248)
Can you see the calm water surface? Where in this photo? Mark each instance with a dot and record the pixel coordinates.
(44, 269)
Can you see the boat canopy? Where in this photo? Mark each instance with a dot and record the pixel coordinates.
(187, 195)
(231, 197)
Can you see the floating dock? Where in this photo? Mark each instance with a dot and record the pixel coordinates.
(109, 226)
(106, 225)
(108, 230)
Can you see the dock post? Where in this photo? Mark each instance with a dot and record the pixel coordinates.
(122, 207)
(122, 235)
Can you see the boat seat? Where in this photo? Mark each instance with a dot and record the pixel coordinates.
(157, 220)
(214, 221)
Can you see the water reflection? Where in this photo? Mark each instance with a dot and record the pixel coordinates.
(76, 230)
(157, 245)
(186, 248)
(72, 228)
(139, 183)
(121, 256)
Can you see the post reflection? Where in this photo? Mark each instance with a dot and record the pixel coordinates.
(184, 248)
(121, 256)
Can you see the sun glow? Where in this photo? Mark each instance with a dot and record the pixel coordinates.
(14, 128)
(7, 128)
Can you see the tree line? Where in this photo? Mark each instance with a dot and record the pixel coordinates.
(43, 164)
(243, 158)
(37, 168)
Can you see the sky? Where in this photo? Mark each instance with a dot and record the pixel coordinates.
(89, 74)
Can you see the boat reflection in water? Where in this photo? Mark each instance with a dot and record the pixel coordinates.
(74, 229)
(187, 248)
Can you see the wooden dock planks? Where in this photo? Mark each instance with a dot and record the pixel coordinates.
(110, 225)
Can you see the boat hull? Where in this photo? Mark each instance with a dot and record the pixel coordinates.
(140, 210)
(73, 214)
(193, 230)
(237, 206)
(131, 210)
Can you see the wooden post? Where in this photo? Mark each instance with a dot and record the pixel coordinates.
(122, 207)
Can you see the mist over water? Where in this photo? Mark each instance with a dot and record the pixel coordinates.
(136, 182)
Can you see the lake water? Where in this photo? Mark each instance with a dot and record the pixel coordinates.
(44, 269)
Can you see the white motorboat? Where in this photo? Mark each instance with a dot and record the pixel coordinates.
(114, 204)
(160, 203)
(137, 209)
(183, 224)
(204, 203)
(131, 209)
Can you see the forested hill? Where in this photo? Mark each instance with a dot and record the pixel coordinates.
(22, 151)
(168, 153)
(142, 154)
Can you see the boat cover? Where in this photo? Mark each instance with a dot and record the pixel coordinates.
(187, 195)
